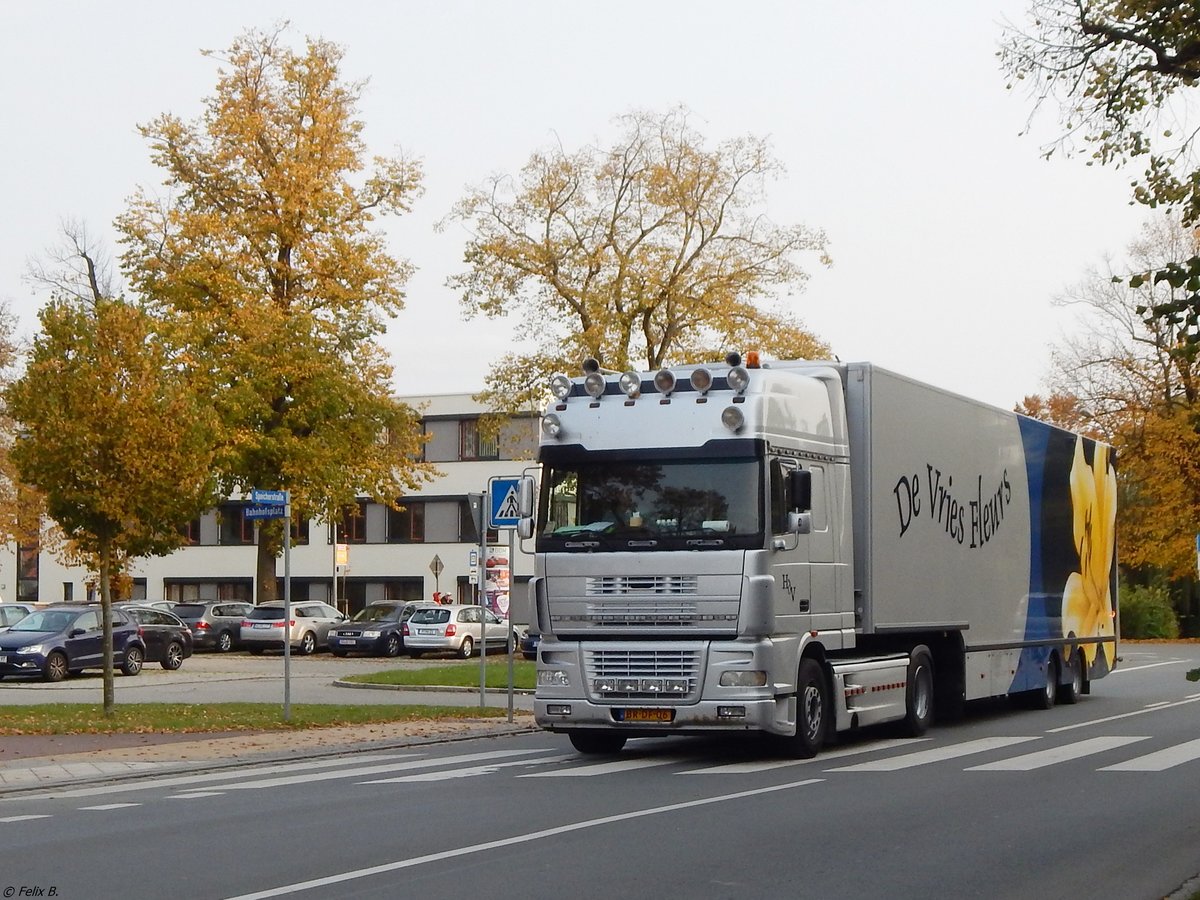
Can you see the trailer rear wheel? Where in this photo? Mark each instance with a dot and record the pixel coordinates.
(918, 700)
(1044, 698)
(597, 743)
(1069, 693)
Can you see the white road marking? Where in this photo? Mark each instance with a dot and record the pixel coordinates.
(1041, 758)
(176, 780)
(23, 818)
(749, 768)
(195, 795)
(470, 771)
(360, 771)
(1154, 707)
(934, 754)
(1162, 759)
(1170, 662)
(608, 768)
(107, 806)
(512, 841)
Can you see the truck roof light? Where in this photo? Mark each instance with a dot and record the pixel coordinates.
(594, 384)
(664, 381)
(733, 358)
(560, 387)
(701, 380)
(590, 365)
(752, 359)
(739, 379)
(732, 418)
(551, 425)
(631, 384)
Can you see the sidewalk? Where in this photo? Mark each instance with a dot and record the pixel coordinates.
(38, 762)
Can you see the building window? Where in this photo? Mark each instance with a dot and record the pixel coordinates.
(191, 532)
(235, 528)
(474, 444)
(299, 531)
(406, 526)
(353, 529)
(27, 573)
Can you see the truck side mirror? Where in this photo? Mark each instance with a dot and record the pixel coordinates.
(799, 484)
(526, 504)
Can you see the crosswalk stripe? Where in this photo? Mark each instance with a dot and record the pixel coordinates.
(934, 754)
(608, 768)
(1159, 760)
(23, 818)
(749, 768)
(1077, 750)
(107, 806)
(469, 771)
(360, 771)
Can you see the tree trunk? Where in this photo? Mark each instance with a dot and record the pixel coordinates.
(266, 584)
(106, 615)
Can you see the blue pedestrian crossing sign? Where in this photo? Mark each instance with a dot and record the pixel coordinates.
(504, 508)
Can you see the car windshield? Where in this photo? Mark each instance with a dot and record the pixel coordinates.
(188, 610)
(266, 613)
(604, 502)
(46, 620)
(430, 616)
(377, 613)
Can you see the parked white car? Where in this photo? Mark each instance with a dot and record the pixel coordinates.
(264, 627)
(456, 628)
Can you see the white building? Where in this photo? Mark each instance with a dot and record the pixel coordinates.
(390, 553)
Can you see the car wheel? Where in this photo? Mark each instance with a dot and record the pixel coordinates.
(173, 658)
(308, 644)
(392, 646)
(56, 667)
(224, 642)
(134, 657)
(466, 648)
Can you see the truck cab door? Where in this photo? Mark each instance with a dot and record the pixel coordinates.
(790, 561)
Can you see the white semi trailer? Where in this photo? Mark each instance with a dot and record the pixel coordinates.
(802, 547)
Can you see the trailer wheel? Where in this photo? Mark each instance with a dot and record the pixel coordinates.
(812, 712)
(1045, 696)
(1070, 691)
(597, 743)
(918, 701)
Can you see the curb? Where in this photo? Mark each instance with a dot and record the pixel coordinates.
(430, 688)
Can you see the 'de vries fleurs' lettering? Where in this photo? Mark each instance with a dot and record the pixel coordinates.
(976, 519)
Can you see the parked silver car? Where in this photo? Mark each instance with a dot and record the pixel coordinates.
(11, 613)
(264, 627)
(456, 628)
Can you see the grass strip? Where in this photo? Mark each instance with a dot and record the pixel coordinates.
(464, 674)
(152, 718)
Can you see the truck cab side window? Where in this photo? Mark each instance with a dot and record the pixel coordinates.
(779, 495)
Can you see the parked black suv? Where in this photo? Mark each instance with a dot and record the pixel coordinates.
(215, 624)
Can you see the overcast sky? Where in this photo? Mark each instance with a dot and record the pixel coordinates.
(950, 235)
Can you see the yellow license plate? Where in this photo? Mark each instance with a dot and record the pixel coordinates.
(648, 715)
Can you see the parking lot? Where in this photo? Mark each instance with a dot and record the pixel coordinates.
(239, 677)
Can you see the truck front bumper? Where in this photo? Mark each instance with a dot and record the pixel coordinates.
(771, 716)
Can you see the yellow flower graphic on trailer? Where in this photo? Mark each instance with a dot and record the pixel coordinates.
(1087, 598)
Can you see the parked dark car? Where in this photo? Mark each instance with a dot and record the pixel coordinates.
(377, 629)
(67, 638)
(168, 641)
(529, 644)
(215, 624)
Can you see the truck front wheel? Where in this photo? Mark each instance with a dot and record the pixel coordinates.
(597, 743)
(812, 711)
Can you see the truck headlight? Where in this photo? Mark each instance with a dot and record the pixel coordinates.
(750, 678)
(553, 678)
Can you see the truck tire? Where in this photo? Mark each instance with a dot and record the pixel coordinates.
(812, 712)
(918, 700)
(1070, 691)
(1044, 697)
(597, 743)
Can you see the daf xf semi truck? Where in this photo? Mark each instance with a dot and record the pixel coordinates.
(802, 548)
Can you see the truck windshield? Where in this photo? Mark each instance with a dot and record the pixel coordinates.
(593, 504)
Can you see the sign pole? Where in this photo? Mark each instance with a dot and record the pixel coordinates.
(287, 612)
(512, 583)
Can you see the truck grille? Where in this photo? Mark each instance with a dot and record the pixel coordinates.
(623, 585)
(647, 668)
